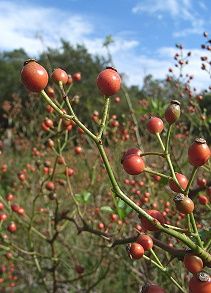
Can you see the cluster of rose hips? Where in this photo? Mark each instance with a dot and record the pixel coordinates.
(136, 251)
(143, 243)
(181, 61)
(112, 220)
(35, 78)
(169, 214)
(117, 130)
(184, 89)
(206, 63)
(49, 125)
(15, 208)
(198, 154)
(7, 277)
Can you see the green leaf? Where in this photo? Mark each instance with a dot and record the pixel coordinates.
(121, 204)
(128, 210)
(121, 213)
(107, 209)
(79, 198)
(83, 197)
(86, 196)
(154, 104)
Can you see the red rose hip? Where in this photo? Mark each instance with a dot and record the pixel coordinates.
(182, 180)
(193, 263)
(109, 81)
(172, 113)
(135, 250)
(76, 76)
(200, 283)
(198, 152)
(133, 164)
(59, 75)
(183, 204)
(155, 125)
(12, 227)
(145, 241)
(203, 199)
(147, 225)
(34, 76)
(131, 151)
(152, 288)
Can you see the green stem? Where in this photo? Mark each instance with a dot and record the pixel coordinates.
(195, 230)
(156, 257)
(184, 238)
(68, 89)
(54, 168)
(152, 154)
(190, 229)
(104, 118)
(65, 141)
(133, 116)
(160, 267)
(172, 169)
(112, 178)
(164, 270)
(160, 141)
(119, 193)
(192, 176)
(4, 247)
(207, 247)
(54, 106)
(77, 121)
(168, 138)
(191, 218)
(147, 170)
(59, 137)
(167, 155)
(208, 206)
(176, 228)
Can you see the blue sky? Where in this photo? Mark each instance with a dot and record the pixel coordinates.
(145, 31)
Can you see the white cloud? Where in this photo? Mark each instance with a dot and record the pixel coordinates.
(174, 7)
(197, 24)
(202, 5)
(155, 6)
(158, 66)
(179, 10)
(19, 30)
(32, 23)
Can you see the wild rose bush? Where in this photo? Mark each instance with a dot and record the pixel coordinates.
(102, 208)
